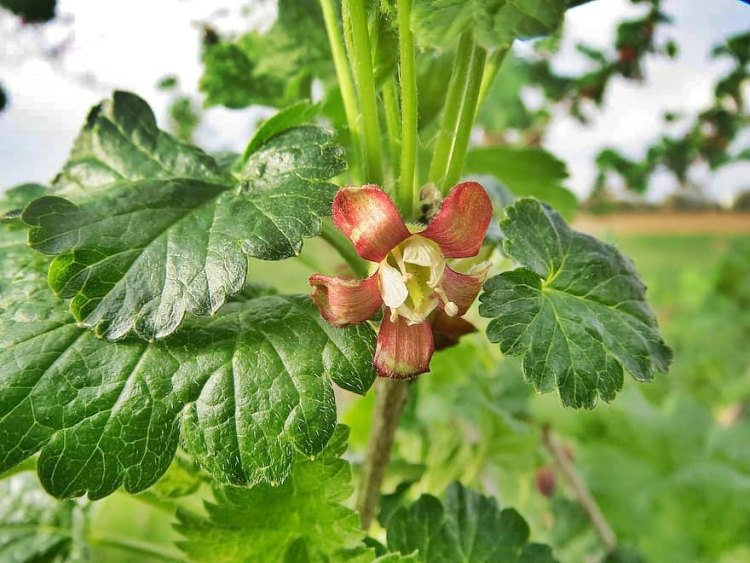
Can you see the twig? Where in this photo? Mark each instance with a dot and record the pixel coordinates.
(581, 490)
(390, 403)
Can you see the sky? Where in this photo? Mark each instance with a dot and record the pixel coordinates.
(131, 45)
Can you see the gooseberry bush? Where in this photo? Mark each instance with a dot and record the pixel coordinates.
(148, 342)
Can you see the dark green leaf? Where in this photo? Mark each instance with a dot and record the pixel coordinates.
(468, 527)
(575, 311)
(305, 515)
(33, 526)
(121, 143)
(161, 230)
(243, 390)
(494, 23)
(525, 172)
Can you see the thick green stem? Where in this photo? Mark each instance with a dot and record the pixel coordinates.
(451, 109)
(361, 60)
(494, 62)
(392, 396)
(407, 196)
(393, 125)
(343, 74)
(466, 121)
(345, 248)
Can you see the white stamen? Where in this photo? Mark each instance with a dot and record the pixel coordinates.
(451, 309)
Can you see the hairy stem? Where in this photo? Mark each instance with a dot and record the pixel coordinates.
(343, 74)
(451, 110)
(361, 59)
(393, 125)
(392, 395)
(581, 490)
(408, 192)
(466, 120)
(338, 241)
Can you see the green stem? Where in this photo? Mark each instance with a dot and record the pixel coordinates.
(361, 59)
(466, 121)
(344, 247)
(391, 399)
(494, 62)
(407, 195)
(393, 125)
(343, 74)
(135, 547)
(451, 110)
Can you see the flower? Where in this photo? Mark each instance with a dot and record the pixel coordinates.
(421, 293)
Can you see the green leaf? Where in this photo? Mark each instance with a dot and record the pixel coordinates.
(265, 523)
(468, 527)
(161, 230)
(17, 197)
(120, 143)
(33, 526)
(292, 116)
(494, 23)
(525, 172)
(242, 391)
(274, 68)
(575, 311)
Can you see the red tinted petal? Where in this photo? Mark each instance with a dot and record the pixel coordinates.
(446, 331)
(462, 222)
(342, 301)
(368, 217)
(403, 350)
(462, 289)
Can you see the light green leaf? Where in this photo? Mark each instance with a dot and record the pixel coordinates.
(525, 172)
(33, 526)
(575, 310)
(160, 230)
(274, 68)
(468, 527)
(304, 516)
(292, 116)
(243, 391)
(494, 23)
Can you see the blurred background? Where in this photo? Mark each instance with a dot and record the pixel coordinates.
(646, 102)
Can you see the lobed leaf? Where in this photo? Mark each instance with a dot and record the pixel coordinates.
(242, 391)
(159, 229)
(575, 311)
(466, 527)
(267, 523)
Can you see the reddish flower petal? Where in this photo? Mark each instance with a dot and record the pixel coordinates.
(462, 289)
(342, 301)
(463, 219)
(446, 331)
(368, 217)
(403, 350)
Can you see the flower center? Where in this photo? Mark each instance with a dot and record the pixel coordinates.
(410, 280)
